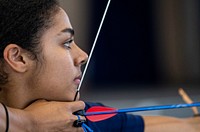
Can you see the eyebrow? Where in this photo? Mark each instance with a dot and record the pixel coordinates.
(68, 30)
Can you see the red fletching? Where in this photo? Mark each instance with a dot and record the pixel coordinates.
(99, 117)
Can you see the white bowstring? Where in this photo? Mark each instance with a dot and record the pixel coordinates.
(93, 46)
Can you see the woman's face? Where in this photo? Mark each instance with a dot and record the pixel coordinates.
(59, 74)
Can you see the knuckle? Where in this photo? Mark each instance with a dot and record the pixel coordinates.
(82, 104)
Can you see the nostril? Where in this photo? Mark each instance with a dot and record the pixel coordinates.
(83, 62)
(84, 59)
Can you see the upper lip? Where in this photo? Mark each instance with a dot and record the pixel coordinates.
(79, 76)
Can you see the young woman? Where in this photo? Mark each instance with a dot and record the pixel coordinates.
(40, 60)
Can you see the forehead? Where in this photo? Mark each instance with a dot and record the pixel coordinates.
(60, 23)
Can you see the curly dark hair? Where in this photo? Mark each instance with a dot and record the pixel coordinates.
(22, 22)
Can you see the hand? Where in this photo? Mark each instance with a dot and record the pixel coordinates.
(54, 116)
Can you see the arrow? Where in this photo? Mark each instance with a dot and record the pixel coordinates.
(99, 113)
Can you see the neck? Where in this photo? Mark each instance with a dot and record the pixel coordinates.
(14, 97)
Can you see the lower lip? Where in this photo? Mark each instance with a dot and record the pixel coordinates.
(77, 81)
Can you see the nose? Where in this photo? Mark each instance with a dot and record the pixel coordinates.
(80, 56)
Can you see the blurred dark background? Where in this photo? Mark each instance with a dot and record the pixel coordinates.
(125, 52)
(146, 50)
(147, 42)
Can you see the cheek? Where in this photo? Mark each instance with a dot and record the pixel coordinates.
(58, 76)
(59, 62)
(59, 71)
(55, 79)
(55, 84)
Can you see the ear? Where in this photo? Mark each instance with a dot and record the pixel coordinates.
(16, 57)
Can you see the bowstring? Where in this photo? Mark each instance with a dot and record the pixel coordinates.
(92, 49)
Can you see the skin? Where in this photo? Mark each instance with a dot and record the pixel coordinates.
(62, 63)
(42, 116)
(55, 78)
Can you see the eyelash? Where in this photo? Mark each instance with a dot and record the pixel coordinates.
(68, 43)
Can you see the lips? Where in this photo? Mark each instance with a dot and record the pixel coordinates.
(77, 80)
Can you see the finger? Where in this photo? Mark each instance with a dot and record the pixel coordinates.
(40, 100)
(79, 129)
(80, 120)
(37, 102)
(77, 105)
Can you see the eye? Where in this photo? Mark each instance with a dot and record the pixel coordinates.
(68, 43)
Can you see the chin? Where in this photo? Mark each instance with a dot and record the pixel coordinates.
(61, 99)
(68, 97)
(71, 98)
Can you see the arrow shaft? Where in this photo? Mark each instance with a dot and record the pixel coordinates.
(149, 108)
